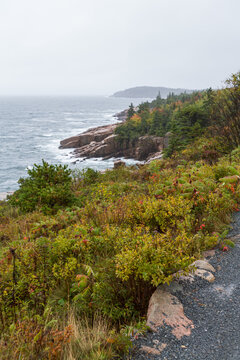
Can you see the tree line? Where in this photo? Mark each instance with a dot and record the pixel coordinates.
(186, 117)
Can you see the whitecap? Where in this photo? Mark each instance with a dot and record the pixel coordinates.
(47, 135)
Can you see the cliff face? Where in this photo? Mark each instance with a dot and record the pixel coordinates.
(102, 142)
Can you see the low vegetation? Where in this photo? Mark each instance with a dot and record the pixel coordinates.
(81, 254)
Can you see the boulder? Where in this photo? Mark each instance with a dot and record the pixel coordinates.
(206, 275)
(165, 309)
(204, 265)
(199, 268)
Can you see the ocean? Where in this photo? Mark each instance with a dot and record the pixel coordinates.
(31, 129)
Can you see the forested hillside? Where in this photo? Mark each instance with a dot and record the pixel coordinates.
(183, 115)
(149, 92)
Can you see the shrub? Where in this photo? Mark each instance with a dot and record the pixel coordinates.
(28, 339)
(48, 187)
(224, 170)
(85, 177)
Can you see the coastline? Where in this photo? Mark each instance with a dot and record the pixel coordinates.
(118, 117)
(107, 146)
(102, 142)
(32, 127)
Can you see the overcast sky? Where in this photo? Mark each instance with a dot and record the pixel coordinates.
(77, 47)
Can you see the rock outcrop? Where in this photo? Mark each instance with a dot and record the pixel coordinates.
(122, 115)
(92, 135)
(102, 142)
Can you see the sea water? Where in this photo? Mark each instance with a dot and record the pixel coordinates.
(31, 129)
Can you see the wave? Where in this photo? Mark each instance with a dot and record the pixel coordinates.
(8, 137)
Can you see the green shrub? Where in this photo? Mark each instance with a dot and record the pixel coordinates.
(235, 154)
(222, 171)
(48, 187)
(87, 176)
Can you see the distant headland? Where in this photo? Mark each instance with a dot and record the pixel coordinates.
(149, 92)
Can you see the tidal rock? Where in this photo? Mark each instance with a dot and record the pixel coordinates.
(122, 115)
(95, 134)
(103, 148)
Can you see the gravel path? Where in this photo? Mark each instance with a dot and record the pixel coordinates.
(214, 309)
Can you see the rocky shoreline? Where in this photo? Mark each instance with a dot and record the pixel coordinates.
(103, 142)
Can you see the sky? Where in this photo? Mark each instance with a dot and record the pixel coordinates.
(91, 47)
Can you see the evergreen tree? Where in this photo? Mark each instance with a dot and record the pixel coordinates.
(158, 101)
(186, 124)
(144, 107)
(209, 99)
(157, 124)
(131, 111)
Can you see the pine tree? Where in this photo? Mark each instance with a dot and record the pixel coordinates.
(158, 101)
(131, 111)
(157, 125)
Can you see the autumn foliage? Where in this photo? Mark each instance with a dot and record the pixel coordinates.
(65, 264)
